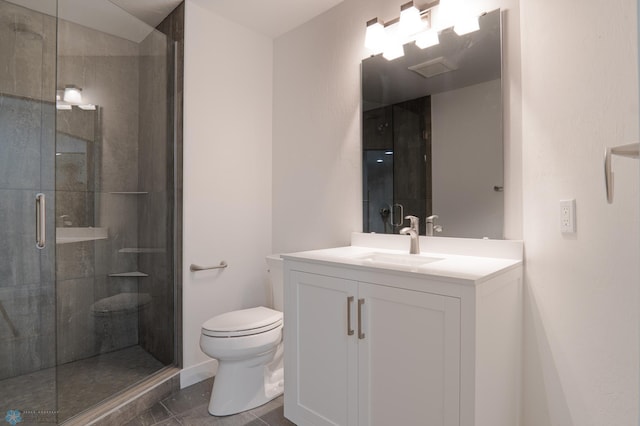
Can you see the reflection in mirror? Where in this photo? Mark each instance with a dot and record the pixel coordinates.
(432, 135)
(77, 138)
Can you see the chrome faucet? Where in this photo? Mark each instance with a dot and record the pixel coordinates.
(412, 230)
(431, 227)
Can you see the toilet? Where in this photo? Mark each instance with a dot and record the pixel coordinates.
(248, 346)
(116, 320)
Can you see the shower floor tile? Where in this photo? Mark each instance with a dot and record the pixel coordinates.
(80, 384)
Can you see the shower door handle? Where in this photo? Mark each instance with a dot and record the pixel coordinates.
(41, 221)
(401, 216)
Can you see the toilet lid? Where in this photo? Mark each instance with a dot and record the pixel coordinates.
(243, 322)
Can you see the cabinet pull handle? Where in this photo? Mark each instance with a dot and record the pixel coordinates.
(41, 221)
(360, 333)
(349, 329)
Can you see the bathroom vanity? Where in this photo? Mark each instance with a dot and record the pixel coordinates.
(375, 336)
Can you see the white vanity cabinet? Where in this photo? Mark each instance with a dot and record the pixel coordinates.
(370, 346)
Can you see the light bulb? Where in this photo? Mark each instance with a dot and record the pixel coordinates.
(410, 21)
(466, 25)
(375, 37)
(427, 39)
(72, 94)
(393, 51)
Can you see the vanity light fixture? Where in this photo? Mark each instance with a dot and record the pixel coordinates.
(388, 38)
(374, 39)
(72, 95)
(427, 39)
(393, 50)
(467, 24)
(414, 24)
(410, 20)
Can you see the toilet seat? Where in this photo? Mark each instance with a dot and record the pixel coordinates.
(244, 322)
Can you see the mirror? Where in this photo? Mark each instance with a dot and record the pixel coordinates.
(432, 135)
(75, 167)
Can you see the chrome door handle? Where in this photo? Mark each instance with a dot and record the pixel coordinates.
(360, 333)
(349, 329)
(41, 221)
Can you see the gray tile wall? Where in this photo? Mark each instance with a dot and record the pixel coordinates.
(154, 209)
(27, 46)
(106, 68)
(123, 137)
(27, 285)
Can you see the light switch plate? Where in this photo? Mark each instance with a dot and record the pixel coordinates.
(568, 216)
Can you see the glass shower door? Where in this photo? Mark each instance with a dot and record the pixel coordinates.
(87, 170)
(27, 269)
(114, 276)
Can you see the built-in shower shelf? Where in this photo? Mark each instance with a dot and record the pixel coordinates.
(130, 274)
(130, 193)
(141, 250)
(66, 235)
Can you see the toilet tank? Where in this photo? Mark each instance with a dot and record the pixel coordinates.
(276, 281)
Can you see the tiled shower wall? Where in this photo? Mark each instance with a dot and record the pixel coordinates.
(123, 137)
(106, 68)
(156, 175)
(27, 278)
(156, 326)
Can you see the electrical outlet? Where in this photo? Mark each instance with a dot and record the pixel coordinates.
(568, 216)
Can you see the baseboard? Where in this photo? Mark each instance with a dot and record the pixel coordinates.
(197, 373)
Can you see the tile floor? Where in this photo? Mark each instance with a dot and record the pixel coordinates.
(189, 407)
(79, 384)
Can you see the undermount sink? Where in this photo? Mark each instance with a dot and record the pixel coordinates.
(413, 260)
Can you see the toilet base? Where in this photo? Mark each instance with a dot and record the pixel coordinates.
(247, 384)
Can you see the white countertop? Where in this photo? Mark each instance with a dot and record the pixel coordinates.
(470, 267)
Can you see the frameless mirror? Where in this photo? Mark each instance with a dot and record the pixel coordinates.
(77, 137)
(432, 135)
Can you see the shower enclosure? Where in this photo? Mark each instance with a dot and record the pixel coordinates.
(87, 206)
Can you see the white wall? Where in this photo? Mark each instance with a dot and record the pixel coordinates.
(569, 92)
(580, 94)
(227, 172)
(466, 152)
(317, 196)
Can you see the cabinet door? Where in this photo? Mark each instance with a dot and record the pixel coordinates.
(320, 355)
(409, 358)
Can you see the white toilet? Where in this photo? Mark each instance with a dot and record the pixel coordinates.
(248, 346)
